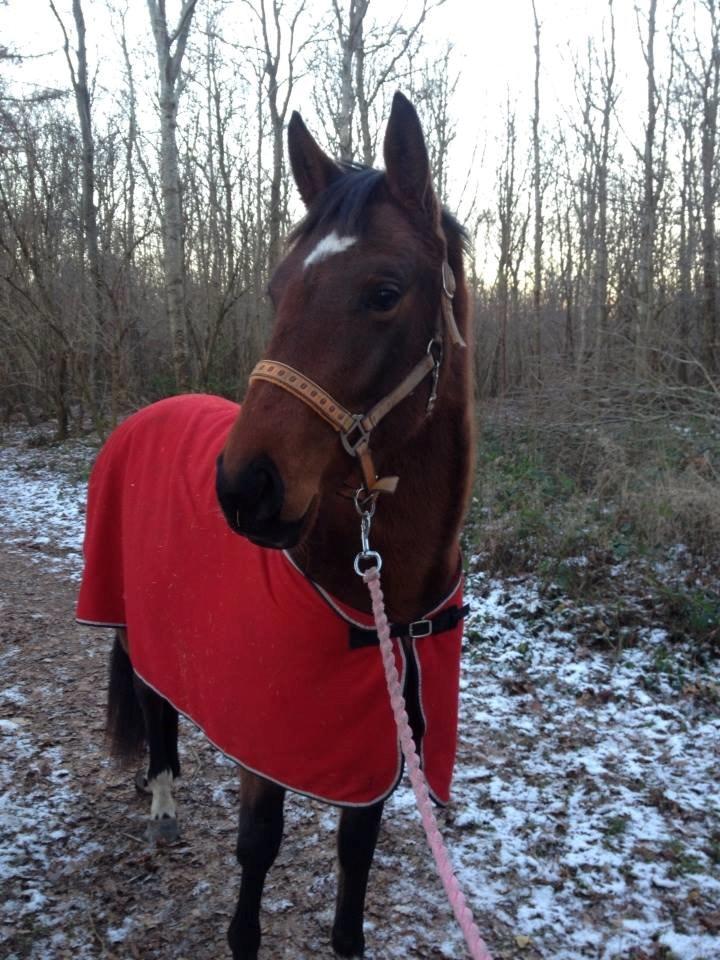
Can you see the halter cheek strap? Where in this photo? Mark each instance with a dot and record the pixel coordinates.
(355, 428)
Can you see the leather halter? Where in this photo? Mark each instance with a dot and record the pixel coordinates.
(355, 428)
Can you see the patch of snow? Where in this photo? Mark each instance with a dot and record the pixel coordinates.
(35, 497)
(118, 934)
(584, 813)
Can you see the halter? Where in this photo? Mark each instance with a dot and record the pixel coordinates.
(355, 428)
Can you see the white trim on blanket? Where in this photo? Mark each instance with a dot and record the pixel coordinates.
(101, 623)
(303, 793)
(350, 620)
(334, 604)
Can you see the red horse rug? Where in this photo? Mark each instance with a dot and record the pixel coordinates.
(280, 676)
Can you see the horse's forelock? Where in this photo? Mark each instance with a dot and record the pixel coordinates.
(345, 206)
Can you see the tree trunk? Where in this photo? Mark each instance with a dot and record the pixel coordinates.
(600, 295)
(710, 320)
(537, 191)
(646, 279)
(169, 72)
(89, 242)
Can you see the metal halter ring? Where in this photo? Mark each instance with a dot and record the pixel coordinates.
(365, 503)
(372, 556)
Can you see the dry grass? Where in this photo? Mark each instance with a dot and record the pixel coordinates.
(572, 487)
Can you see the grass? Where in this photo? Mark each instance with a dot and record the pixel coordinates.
(584, 505)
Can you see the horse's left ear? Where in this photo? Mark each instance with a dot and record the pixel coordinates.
(407, 164)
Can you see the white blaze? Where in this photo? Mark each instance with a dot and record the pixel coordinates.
(329, 245)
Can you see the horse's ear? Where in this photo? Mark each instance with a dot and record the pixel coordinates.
(407, 164)
(312, 169)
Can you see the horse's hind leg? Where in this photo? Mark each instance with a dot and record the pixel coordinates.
(161, 727)
(357, 837)
(259, 838)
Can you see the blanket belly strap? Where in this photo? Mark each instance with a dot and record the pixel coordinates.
(446, 620)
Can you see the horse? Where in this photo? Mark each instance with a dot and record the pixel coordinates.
(214, 531)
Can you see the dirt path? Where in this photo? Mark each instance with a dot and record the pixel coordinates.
(78, 876)
(585, 823)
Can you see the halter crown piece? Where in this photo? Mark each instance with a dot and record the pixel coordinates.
(355, 428)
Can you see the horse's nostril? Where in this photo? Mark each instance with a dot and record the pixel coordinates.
(264, 491)
(252, 498)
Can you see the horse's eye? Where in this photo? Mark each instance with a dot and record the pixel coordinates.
(384, 298)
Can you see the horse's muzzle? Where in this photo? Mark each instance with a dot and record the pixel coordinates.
(252, 503)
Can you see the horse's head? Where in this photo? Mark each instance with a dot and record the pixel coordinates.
(358, 303)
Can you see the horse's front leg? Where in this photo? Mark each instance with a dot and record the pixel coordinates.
(259, 837)
(357, 837)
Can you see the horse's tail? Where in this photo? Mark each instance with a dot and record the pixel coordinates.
(124, 726)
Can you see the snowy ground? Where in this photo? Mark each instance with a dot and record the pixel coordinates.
(586, 813)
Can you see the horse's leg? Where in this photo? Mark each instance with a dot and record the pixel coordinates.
(357, 836)
(161, 727)
(259, 838)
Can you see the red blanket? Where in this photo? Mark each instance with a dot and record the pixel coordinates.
(237, 638)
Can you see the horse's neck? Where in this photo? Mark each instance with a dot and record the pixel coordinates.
(415, 530)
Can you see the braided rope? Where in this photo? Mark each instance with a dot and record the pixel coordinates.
(463, 914)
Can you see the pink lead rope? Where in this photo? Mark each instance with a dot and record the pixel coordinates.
(476, 946)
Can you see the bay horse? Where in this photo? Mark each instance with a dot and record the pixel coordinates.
(220, 541)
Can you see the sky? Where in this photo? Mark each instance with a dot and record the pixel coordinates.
(493, 54)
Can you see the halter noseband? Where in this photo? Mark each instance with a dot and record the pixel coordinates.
(355, 428)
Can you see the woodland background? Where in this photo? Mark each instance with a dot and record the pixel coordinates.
(141, 214)
(143, 202)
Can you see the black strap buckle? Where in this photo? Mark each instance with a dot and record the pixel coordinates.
(442, 622)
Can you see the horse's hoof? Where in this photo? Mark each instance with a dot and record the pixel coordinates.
(141, 783)
(164, 830)
(346, 946)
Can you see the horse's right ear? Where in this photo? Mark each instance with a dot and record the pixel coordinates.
(312, 169)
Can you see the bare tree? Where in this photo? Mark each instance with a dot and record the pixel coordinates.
(280, 52)
(79, 78)
(432, 89)
(603, 147)
(361, 59)
(512, 224)
(646, 292)
(352, 58)
(40, 269)
(707, 84)
(213, 174)
(169, 63)
(538, 199)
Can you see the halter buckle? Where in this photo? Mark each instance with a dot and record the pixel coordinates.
(355, 436)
